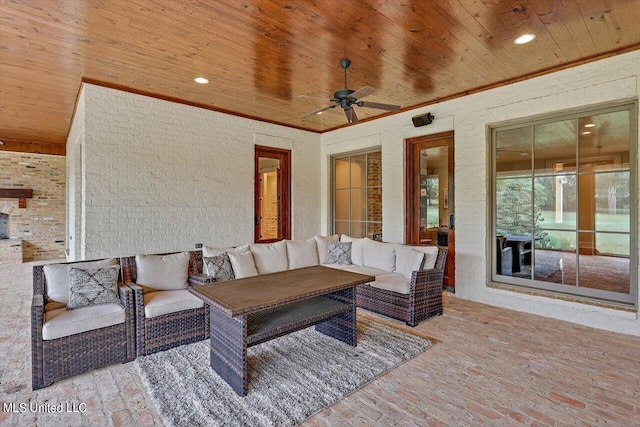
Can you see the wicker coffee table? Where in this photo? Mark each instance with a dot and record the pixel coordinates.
(250, 311)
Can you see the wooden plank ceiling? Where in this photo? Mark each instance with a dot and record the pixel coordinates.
(260, 56)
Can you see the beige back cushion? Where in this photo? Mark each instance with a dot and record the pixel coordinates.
(57, 276)
(408, 260)
(357, 249)
(243, 265)
(379, 255)
(270, 257)
(163, 272)
(209, 251)
(430, 255)
(322, 243)
(302, 253)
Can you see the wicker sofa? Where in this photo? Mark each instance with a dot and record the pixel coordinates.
(411, 292)
(150, 318)
(423, 301)
(65, 342)
(166, 318)
(401, 291)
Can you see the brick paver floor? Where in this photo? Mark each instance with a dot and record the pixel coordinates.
(490, 366)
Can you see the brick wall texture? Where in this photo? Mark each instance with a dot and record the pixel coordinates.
(41, 225)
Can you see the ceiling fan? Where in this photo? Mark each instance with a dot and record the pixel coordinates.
(347, 99)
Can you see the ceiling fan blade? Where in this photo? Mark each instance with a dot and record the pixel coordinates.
(318, 111)
(379, 106)
(351, 115)
(362, 92)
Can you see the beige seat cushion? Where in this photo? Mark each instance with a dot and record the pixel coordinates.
(345, 267)
(367, 270)
(357, 269)
(393, 282)
(57, 276)
(164, 302)
(62, 322)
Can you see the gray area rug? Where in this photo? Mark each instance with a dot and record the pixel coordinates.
(291, 378)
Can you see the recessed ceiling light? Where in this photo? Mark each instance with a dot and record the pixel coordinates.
(525, 38)
(590, 125)
(586, 132)
(201, 80)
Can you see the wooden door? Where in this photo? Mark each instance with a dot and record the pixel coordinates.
(429, 210)
(272, 194)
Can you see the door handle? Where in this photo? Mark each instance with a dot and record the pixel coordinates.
(451, 222)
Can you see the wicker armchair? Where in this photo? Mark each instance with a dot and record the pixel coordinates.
(172, 329)
(424, 300)
(55, 359)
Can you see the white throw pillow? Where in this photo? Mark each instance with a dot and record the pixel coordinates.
(302, 253)
(322, 243)
(379, 255)
(209, 251)
(430, 255)
(57, 277)
(270, 257)
(163, 272)
(408, 260)
(243, 265)
(357, 249)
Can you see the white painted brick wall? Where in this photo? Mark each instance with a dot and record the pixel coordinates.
(161, 176)
(75, 218)
(612, 79)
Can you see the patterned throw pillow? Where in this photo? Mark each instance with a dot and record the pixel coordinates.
(219, 266)
(93, 286)
(339, 253)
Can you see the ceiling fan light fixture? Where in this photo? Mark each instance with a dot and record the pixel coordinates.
(346, 99)
(201, 80)
(525, 38)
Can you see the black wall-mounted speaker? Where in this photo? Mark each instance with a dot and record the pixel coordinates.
(422, 119)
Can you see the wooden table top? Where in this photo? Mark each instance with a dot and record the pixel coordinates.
(242, 296)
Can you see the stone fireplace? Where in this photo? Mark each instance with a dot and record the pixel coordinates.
(10, 248)
(32, 194)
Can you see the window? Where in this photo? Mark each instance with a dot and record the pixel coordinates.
(564, 198)
(357, 195)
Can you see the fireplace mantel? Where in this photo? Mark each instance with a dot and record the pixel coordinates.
(22, 194)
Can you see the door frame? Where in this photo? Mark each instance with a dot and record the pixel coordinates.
(284, 192)
(412, 185)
